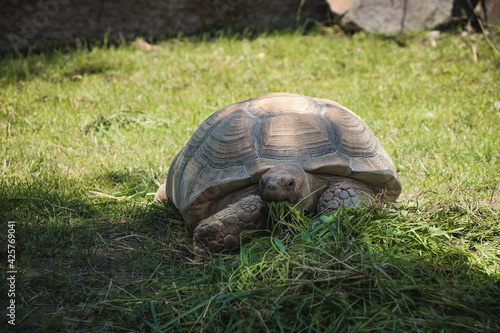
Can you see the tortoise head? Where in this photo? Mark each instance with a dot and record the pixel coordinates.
(285, 183)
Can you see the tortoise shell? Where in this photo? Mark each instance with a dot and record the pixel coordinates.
(237, 144)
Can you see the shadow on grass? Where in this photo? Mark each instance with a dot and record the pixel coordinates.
(73, 248)
(100, 263)
(51, 65)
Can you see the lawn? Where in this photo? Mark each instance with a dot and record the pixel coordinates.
(87, 135)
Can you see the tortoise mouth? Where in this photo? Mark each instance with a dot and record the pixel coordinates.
(283, 183)
(277, 189)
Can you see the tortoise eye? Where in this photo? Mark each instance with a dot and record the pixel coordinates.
(291, 184)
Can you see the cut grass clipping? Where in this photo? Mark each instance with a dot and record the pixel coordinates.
(87, 135)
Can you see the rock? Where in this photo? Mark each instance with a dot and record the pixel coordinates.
(394, 16)
(143, 45)
(488, 11)
(433, 36)
(339, 7)
(28, 23)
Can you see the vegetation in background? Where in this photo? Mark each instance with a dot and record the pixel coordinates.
(87, 136)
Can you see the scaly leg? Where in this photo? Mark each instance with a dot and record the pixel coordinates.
(342, 193)
(224, 230)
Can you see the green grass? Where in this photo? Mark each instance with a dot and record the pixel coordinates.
(88, 135)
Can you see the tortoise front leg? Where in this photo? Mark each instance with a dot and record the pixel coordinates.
(224, 230)
(347, 193)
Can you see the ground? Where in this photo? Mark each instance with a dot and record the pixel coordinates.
(88, 135)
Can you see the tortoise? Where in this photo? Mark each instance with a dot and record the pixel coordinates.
(277, 147)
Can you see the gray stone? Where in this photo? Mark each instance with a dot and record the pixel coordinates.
(394, 16)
